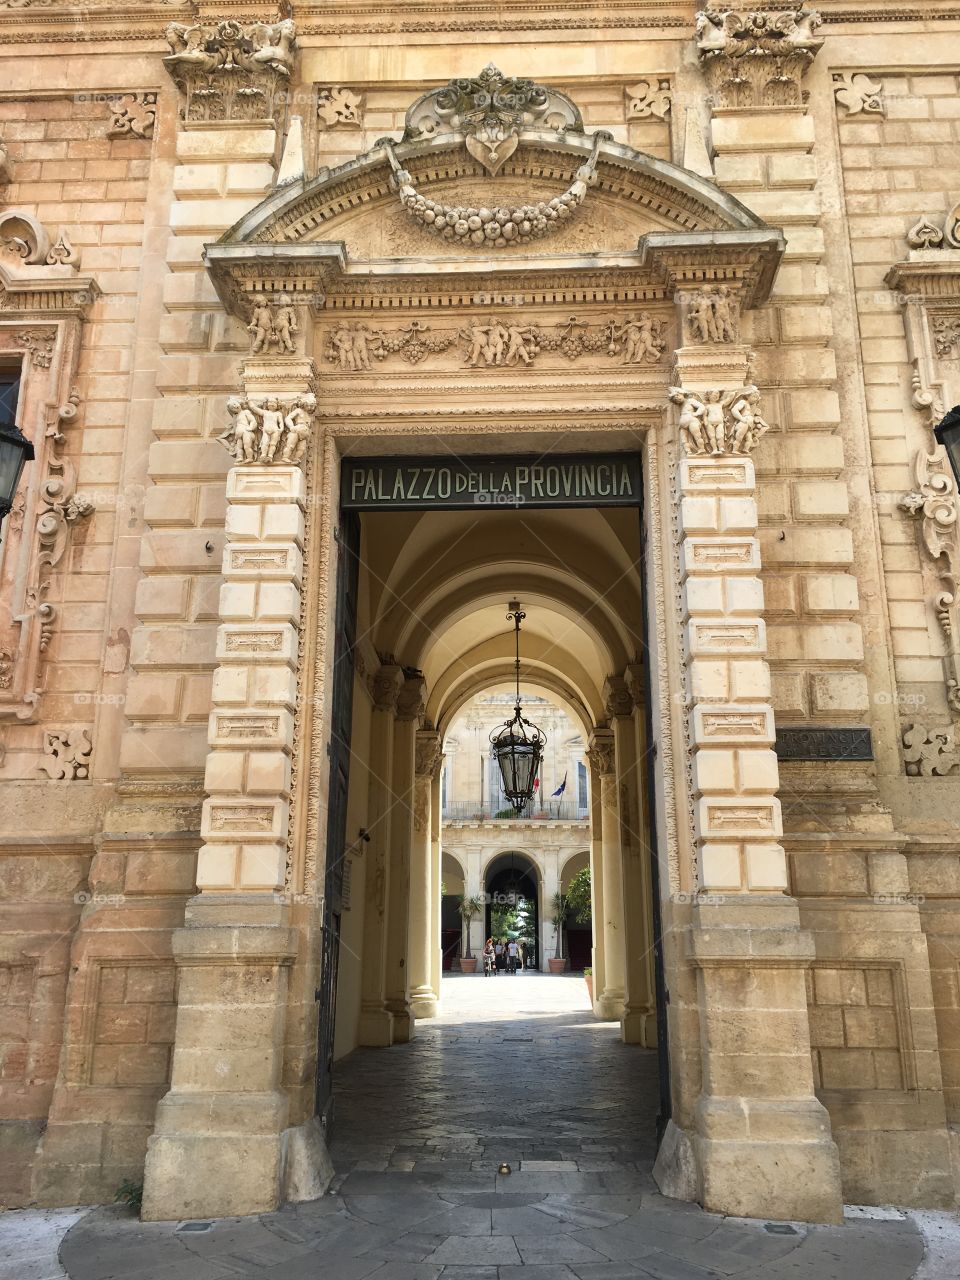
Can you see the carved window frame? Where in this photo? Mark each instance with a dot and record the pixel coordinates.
(41, 317)
(928, 283)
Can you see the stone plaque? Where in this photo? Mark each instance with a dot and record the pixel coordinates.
(824, 744)
(460, 483)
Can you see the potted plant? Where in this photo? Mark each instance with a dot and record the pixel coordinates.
(588, 979)
(557, 962)
(469, 909)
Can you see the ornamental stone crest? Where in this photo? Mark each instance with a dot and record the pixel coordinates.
(490, 110)
(231, 71)
(719, 422)
(757, 58)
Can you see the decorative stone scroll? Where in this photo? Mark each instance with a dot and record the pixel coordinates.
(229, 70)
(719, 422)
(928, 234)
(339, 107)
(67, 754)
(858, 93)
(649, 99)
(498, 342)
(269, 429)
(757, 58)
(935, 503)
(25, 241)
(930, 752)
(132, 115)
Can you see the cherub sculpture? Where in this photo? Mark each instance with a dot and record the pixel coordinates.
(749, 423)
(285, 324)
(261, 326)
(691, 413)
(298, 423)
(271, 427)
(240, 437)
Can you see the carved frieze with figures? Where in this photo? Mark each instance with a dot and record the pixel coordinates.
(269, 429)
(719, 422)
(273, 324)
(499, 342)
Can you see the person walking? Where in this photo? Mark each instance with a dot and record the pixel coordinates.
(513, 954)
(500, 954)
(489, 967)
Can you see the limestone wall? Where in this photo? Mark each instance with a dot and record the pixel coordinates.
(102, 771)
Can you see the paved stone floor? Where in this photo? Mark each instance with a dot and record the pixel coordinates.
(516, 1070)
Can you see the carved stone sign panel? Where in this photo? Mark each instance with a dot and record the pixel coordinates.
(404, 484)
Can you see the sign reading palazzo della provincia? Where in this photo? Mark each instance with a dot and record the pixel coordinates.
(462, 482)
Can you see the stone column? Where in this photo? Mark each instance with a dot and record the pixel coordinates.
(602, 755)
(763, 1141)
(596, 886)
(436, 871)
(226, 1109)
(638, 1023)
(375, 1026)
(410, 706)
(423, 994)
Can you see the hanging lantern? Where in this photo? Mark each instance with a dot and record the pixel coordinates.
(518, 746)
(947, 433)
(15, 451)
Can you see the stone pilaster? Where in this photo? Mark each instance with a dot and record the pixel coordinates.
(436, 869)
(237, 943)
(762, 1139)
(638, 1023)
(375, 1026)
(423, 994)
(410, 707)
(602, 754)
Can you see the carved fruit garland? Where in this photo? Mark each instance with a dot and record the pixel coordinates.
(498, 225)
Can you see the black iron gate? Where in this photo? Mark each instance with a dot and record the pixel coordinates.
(345, 631)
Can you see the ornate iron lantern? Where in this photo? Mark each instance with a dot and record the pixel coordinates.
(15, 451)
(947, 433)
(518, 746)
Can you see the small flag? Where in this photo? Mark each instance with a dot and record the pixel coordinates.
(536, 783)
(560, 790)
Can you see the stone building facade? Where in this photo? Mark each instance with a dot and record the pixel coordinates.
(717, 249)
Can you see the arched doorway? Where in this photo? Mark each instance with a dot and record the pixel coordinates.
(512, 893)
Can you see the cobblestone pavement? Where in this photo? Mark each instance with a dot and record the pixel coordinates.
(515, 1070)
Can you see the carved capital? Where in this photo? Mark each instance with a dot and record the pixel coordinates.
(386, 687)
(412, 698)
(756, 59)
(229, 70)
(617, 700)
(601, 753)
(717, 422)
(635, 677)
(429, 753)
